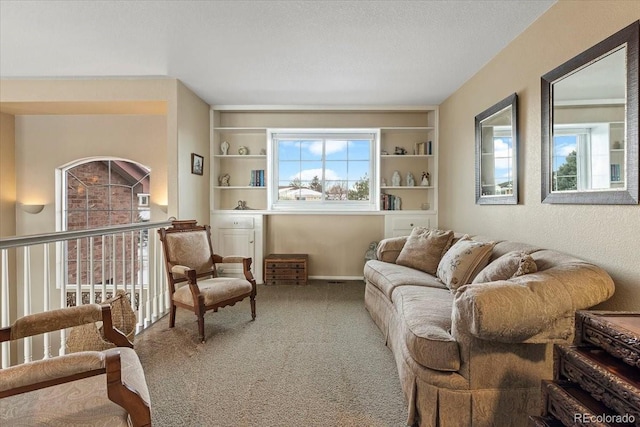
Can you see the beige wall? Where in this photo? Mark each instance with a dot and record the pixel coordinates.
(7, 176)
(50, 142)
(605, 234)
(336, 244)
(8, 196)
(185, 128)
(193, 137)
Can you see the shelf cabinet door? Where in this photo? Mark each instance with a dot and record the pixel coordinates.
(239, 242)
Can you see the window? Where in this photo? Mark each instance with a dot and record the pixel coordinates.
(99, 193)
(581, 158)
(502, 162)
(324, 169)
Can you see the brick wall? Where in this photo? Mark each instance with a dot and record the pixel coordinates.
(95, 201)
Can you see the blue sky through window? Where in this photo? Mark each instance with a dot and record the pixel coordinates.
(563, 145)
(503, 157)
(345, 160)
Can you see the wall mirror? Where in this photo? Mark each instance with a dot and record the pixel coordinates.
(590, 125)
(497, 153)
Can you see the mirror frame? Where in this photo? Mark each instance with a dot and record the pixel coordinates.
(630, 36)
(512, 199)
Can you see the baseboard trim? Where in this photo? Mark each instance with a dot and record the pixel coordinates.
(336, 278)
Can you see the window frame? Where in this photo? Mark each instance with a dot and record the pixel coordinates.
(273, 204)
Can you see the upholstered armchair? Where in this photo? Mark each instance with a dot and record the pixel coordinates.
(99, 388)
(192, 276)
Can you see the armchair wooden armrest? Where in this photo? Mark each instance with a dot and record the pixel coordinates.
(62, 318)
(234, 259)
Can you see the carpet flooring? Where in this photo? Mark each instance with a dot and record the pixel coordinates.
(312, 357)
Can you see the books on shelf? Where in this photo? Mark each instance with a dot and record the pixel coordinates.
(422, 148)
(615, 172)
(257, 178)
(389, 202)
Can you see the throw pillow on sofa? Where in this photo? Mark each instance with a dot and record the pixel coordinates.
(511, 264)
(424, 249)
(463, 262)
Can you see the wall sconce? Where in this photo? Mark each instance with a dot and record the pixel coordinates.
(32, 209)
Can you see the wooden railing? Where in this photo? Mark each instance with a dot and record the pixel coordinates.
(35, 273)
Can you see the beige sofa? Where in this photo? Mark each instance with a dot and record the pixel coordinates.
(474, 354)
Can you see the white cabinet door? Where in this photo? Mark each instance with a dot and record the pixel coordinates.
(236, 242)
(240, 242)
(239, 234)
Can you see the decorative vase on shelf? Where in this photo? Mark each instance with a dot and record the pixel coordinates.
(410, 180)
(224, 147)
(395, 179)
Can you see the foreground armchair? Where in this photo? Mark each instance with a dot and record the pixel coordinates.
(99, 388)
(192, 276)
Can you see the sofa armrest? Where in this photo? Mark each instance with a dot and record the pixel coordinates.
(534, 308)
(388, 249)
(509, 312)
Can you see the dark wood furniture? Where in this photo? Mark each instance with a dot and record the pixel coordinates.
(286, 269)
(125, 383)
(596, 380)
(192, 276)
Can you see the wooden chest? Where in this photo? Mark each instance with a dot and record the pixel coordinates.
(286, 269)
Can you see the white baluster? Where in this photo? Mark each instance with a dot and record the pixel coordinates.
(103, 270)
(78, 273)
(45, 299)
(4, 308)
(26, 276)
(62, 276)
(92, 282)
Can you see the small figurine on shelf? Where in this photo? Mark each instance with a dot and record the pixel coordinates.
(410, 180)
(395, 179)
(400, 151)
(224, 147)
(383, 183)
(224, 180)
(425, 179)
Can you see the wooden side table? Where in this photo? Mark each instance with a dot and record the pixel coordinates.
(286, 269)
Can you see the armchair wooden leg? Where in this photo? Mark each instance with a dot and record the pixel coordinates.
(172, 315)
(201, 327)
(253, 307)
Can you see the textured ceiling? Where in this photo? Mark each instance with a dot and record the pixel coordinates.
(267, 52)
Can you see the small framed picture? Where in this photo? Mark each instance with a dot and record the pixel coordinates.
(197, 164)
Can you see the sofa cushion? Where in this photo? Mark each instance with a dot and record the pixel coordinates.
(386, 277)
(389, 249)
(463, 262)
(424, 249)
(425, 315)
(511, 264)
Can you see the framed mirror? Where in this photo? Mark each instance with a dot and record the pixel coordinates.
(590, 125)
(497, 153)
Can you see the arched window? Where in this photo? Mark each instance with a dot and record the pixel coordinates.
(99, 193)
